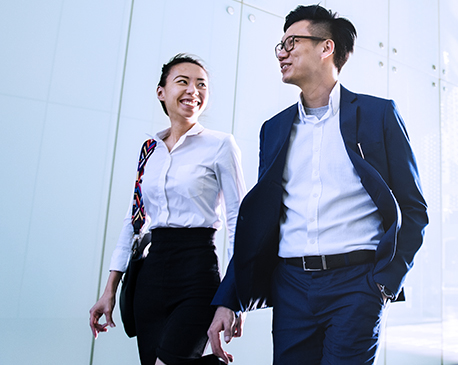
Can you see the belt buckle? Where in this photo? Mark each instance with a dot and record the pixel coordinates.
(323, 261)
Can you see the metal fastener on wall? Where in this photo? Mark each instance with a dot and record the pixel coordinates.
(251, 18)
(230, 10)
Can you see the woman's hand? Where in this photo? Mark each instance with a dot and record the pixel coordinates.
(105, 305)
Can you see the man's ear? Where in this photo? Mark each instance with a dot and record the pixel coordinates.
(328, 48)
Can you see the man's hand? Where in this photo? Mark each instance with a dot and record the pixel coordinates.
(385, 298)
(224, 320)
(239, 322)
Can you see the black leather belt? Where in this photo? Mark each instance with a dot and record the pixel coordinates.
(326, 262)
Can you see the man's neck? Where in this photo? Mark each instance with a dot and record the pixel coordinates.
(317, 94)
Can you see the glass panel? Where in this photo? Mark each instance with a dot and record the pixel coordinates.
(413, 326)
(449, 118)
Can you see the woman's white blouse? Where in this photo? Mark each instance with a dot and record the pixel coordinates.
(188, 187)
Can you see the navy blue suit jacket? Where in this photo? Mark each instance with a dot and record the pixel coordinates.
(388, 172)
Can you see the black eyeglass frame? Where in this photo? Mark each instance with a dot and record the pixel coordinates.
(282, 45)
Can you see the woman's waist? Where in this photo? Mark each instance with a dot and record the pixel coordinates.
(178, 235)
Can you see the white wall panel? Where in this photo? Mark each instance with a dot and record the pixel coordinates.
(448, 30)
(67, 213)
(414, 34)
(21, 129)
(57, 260)
(89, 53)
(47, 341)
(28, 46)
(280, 8)
(366, 72)
(371, 35)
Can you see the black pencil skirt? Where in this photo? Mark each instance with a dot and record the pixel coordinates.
(175, 287)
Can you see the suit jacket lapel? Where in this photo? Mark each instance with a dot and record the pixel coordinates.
(278, 143)
(349, 118)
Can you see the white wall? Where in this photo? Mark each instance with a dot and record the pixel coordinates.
(77, 98)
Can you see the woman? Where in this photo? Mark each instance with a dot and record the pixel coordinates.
(185, 180)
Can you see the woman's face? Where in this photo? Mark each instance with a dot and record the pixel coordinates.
(185, 92)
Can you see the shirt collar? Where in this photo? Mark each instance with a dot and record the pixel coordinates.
(194, 130)
(334, 103)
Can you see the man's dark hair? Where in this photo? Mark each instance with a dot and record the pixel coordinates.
(326, 24)
(176, 60)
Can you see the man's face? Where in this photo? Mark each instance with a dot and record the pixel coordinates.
(303, 61)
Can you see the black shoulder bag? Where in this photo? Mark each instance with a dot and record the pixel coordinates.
(126, 298)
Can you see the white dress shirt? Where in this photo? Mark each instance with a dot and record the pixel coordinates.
(326, 208)
(187, 187)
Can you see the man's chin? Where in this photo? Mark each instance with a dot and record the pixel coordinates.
(287, 80)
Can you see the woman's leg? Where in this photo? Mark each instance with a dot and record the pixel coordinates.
(185, 334)
(175, 287)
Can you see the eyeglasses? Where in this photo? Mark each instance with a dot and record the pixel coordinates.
(288, 44)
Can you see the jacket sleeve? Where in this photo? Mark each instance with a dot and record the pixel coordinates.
(226, 295)
(404, 182)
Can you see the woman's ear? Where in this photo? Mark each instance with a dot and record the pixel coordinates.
(160, 93)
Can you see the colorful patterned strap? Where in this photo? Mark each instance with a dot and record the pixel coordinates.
(138, 209)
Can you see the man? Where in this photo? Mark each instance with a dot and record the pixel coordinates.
(330, 230)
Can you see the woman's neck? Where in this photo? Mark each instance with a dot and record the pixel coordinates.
(177, 130)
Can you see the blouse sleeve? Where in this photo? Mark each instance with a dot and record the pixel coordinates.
(230, 178)
(121, 254)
